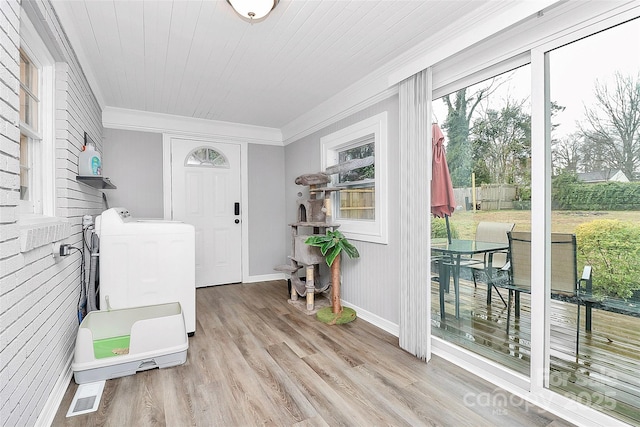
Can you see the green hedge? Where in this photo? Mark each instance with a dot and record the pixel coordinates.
(439, 229)
(612, 249)
(607, 196)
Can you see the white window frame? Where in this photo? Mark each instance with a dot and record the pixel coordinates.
(41, 143)
(374, 231)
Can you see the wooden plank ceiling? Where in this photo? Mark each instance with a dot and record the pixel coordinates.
(197, 58)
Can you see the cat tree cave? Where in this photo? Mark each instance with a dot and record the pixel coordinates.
(313, 217)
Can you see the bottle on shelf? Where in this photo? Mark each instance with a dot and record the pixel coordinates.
(89, 161)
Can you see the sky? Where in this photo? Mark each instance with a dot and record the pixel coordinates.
(574, 69)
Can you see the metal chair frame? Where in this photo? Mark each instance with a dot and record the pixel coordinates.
(564, 278)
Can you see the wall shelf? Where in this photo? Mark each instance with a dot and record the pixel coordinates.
(96, 182)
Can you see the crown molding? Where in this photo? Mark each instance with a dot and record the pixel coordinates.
(325, 114)
(375, 87)
(382, 83)
(485, 22)
(366, 92)
(120, 118)
(62, 11)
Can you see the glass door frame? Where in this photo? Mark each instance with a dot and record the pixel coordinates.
(535, 387)
(541, 167)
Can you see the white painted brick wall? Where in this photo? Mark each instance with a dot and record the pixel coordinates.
(38, 294)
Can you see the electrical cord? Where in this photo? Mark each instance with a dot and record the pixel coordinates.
(84, 236)
(82, 298)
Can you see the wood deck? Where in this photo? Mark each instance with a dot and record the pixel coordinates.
(257, 360)
(606, 374)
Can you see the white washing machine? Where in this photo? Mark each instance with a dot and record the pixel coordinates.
(146, 262)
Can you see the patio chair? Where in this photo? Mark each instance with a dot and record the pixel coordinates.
(495, 232)
(436, 259)
(564, 276)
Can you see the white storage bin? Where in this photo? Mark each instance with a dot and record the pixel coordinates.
(117, 343)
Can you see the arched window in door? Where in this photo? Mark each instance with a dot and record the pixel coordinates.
(206, 157)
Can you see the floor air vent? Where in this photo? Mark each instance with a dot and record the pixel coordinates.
(86, 399)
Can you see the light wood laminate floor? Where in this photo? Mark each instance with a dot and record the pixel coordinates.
(257, 360)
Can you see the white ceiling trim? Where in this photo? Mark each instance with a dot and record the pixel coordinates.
(310, 122)
(372, 88)
(120, 118)
(382, 83)
(83, 60)
(425, 55)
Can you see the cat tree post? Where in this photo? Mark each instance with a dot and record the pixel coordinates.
(310, 285)
(313, 217)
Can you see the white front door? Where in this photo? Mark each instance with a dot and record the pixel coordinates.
(206, 192)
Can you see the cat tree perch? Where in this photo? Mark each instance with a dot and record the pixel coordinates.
(313, 216)
(314, 213)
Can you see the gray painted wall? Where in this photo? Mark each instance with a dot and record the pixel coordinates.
(371, 281)
(133, 162)
(267, 228)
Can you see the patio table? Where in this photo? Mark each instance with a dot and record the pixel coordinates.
(453, 253)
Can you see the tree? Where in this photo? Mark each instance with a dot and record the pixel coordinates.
(502, 141)
(555, 143)
(612, 126)
(567, 153)
(594, 153)
(460, 110)
(555, 109)
(461, 106)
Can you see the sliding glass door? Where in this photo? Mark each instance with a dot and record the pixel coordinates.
(593, 114)
(487, 139)
(543, 152)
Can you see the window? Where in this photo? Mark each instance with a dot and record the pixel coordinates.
(206, 157)
(358, 156)
(36, 124)
(29, 131)
(357, 200)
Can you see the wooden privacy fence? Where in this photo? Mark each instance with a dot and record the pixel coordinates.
(488, 197)
(357, 203)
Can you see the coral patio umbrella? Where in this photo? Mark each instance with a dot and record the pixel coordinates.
(442, 198)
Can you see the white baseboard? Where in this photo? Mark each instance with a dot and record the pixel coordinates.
(48, 413)
(265, 278)
(374, 319)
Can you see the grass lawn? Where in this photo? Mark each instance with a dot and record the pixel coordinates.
(561, 221)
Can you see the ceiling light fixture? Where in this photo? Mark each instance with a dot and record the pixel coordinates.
(253, 10)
